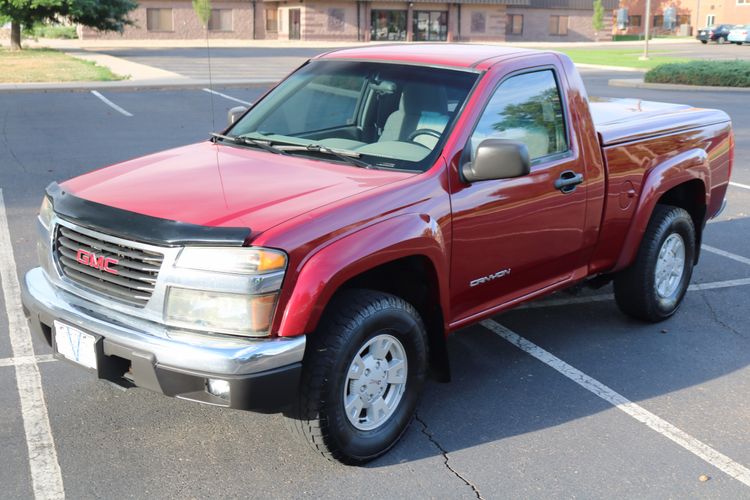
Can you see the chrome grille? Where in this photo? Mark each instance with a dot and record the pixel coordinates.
(137, 269)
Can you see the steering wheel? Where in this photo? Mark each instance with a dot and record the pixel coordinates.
(423, 131)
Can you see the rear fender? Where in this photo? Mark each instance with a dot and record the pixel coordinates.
(686, 166)
(320, 276)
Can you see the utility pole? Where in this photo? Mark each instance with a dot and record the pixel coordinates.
(645, 57)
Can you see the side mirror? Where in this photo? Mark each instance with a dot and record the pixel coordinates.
(497, 159)
(234, 114)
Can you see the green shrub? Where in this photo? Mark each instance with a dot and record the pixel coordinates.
(41, 30)
(710, 73)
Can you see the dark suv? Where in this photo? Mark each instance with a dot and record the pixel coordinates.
(717, 34)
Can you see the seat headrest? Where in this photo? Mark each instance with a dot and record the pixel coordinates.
(420, 97)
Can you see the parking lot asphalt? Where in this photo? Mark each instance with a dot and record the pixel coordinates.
(276, 62)
(507, 426)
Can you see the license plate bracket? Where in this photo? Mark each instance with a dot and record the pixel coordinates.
(76, 345)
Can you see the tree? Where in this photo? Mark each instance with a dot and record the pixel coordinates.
(106, 15)
(598, 20)
(202, 9)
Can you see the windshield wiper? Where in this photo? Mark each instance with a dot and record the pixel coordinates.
(349, 157)
(265, 145)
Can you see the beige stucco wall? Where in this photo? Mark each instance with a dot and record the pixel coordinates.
(185, 22)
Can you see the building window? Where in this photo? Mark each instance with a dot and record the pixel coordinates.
(272, 20)
(743, 2)
(478, 22)
(388, 25)
(335, 19)
(683, 19)
(514, 24)
(220, 20)
(634, 21)
(658, 21)
(558, 25)
(159, 20)
(430, 26)
(710, 20)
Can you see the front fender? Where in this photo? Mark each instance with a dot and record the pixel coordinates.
(687, 166)
(323, 273)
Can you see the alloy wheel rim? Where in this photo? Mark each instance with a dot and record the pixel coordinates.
(670, 266)
(375, 382)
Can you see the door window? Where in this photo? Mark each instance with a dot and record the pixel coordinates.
(525, 108)
(430, 25)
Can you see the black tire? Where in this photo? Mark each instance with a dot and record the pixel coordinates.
(704, 42)
(352, 319)
(636, 287)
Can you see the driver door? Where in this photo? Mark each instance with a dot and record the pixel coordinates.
(512, 237)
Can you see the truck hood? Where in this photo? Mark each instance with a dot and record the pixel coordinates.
(217, 185)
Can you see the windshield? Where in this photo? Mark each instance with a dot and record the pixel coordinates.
(386, 115)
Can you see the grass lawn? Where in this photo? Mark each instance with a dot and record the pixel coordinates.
(626, 57)
(44, 65)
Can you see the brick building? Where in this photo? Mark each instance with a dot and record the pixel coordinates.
(687, 15)
(354, 20)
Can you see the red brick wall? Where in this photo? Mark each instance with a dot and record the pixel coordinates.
(185, 22)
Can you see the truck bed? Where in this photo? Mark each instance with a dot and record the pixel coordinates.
(624, 120)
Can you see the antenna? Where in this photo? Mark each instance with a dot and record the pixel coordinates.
(210, 81)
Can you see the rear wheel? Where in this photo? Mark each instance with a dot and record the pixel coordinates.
(653, 287)
(721, 40)
(363, 371)
(704, 42)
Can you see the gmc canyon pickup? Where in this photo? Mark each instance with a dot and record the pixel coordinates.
(312, 258)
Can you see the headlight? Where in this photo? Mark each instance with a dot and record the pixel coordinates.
(244, 260)
(247, 314)
(45, 212)
(220, 312)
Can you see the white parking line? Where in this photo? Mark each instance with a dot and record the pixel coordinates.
(111, 104)
(728, 255)
(737, 184)
(46, 478)
(41, 358)
(688, 442)
(227, 97)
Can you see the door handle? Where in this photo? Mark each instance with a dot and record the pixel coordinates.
(568, 181)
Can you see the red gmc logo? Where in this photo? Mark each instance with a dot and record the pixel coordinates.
(98, 262)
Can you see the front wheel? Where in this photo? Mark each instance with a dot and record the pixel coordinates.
(362, 375)
(653, 287)
(704, 42)
(721, 40)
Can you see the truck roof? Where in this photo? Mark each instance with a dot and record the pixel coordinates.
(430, 54)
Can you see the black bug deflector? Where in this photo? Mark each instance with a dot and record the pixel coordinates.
(139, 227)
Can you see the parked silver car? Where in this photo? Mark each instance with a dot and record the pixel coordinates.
(740, 34)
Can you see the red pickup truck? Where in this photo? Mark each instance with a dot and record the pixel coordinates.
(312, 258)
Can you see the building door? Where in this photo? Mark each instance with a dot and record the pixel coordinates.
(430, 25)
(294, 24)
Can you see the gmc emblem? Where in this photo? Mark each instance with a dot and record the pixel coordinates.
(98, 262)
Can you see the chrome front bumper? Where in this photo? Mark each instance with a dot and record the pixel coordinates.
(154, 350)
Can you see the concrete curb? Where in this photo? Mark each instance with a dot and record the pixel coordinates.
(142, 77)
(610, 68)
(130, 85)
(638, 83)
